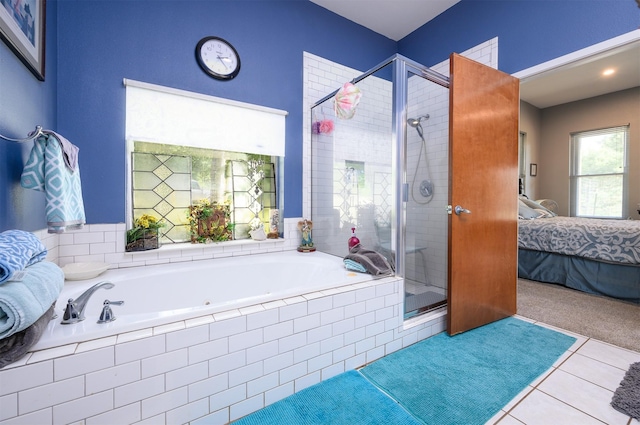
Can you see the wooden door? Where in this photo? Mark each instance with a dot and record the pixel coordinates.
(483, 161)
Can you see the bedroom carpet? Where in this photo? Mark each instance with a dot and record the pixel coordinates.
(469, 377)
(605, 319)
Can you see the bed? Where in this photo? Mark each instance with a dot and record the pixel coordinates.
(597, 256)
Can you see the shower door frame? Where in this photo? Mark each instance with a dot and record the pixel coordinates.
(401, 66)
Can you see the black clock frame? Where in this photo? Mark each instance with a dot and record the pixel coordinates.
(203, 65)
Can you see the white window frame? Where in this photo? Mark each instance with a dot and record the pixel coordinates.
(575, 176)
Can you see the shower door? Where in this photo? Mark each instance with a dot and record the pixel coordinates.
(483, 231)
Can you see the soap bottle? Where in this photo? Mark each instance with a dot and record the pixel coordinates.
(353, 240)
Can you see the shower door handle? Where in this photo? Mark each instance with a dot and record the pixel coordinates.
(459, 210)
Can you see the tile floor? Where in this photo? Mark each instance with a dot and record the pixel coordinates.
(576, 390)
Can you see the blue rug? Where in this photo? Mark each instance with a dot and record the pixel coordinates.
(346, 399)
(468, 378)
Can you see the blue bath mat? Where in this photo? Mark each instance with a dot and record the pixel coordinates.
(346, 399)
(468, 378)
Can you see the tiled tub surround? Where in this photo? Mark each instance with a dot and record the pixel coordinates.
(166, 293)
(214, 368)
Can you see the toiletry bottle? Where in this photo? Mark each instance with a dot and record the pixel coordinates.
(353, 240)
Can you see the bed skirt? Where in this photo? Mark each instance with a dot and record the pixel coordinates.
(613, 280)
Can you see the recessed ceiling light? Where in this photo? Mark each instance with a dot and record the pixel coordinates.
(608, 72)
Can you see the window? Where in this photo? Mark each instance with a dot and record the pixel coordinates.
(599, 173)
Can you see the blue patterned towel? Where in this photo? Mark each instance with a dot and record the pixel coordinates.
(18, 249)
(352, 265)
(46, 171)
(23, 303)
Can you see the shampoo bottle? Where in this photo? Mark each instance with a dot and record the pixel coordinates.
(353, 240)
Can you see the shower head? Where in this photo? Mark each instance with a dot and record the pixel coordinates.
(415, 122)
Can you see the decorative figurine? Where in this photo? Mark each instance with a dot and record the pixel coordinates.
(274, 218)
(305, 227)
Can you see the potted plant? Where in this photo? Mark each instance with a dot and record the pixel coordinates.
(145, 234)
(210, 221)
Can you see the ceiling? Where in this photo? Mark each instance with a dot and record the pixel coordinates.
(394, 19)
(572, 81)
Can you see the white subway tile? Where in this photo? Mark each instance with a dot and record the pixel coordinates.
(331, 344)
(375, 328)
(163, 363)
(375, 354)
(344, 299)
(124, 415)
(262, 351)
(83, 363)
(82, 408)
(208, 387)
(220, 417)
(41, 417)
(278, 330)
(95, 344)
(8, 406)
(232, 326)
(245, 407)
(331, 316)
(293, 311)
(185, 414)
(307, 322)
(331, 371)
(320, 304)
(186, 375)
(227, 397)
(170, 327)
(227, 363)
(245, 340)
(262, 384)
(307, 381)
(278, 362)
(112, 377)
(135, 335)
(139, 349)
(293, 372)
(162, 402)
(187, 337)
(262, 319)
(319, 362)
(245, 374)
(353, 363)
(50, 395)
(138, 390)
(208, 350)
(154, 420)
(319, 333)
(292, 342)
(52, 353)
(22, 378)
(278, 393)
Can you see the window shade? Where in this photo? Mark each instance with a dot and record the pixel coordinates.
(176, 117)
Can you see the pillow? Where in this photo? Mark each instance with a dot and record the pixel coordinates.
(526, 212)
(536, 206)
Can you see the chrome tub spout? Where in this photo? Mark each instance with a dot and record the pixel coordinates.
(74, 312)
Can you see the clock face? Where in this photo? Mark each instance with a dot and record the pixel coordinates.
(218, 58)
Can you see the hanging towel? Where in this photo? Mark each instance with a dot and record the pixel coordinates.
(18, 249)
(23, 302)
(46, 171)
(373, 262)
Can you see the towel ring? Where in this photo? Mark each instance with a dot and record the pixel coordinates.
(32, 136)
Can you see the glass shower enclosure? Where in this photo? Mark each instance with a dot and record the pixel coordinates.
(385, 173)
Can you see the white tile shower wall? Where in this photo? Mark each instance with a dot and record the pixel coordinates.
(212, 371)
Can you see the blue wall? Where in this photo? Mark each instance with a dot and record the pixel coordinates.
(93, 45)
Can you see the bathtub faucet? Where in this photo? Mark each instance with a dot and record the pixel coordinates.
(74, 312)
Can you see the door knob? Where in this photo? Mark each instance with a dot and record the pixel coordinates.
(459, 210)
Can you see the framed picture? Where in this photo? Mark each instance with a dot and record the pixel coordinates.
(533, 169)
(22, 28)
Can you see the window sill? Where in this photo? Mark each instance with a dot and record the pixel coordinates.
(187, 246)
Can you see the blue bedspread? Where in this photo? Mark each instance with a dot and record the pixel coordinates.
(615, 241)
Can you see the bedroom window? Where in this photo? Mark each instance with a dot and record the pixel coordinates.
(599, 173)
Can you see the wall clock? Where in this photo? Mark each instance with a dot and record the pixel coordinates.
(218, 58)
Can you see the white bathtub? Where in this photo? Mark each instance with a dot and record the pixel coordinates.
(167, 293)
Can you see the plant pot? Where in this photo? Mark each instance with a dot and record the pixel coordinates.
(149, 239)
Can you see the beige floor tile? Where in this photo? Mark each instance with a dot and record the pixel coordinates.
(591, 370)
(590, 398)
(539, 408)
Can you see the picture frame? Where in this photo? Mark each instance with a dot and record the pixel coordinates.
(22, 28)
(533, 169)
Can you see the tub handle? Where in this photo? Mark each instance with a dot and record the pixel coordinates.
(107, 314)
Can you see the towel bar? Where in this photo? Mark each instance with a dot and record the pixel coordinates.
(32, 136)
